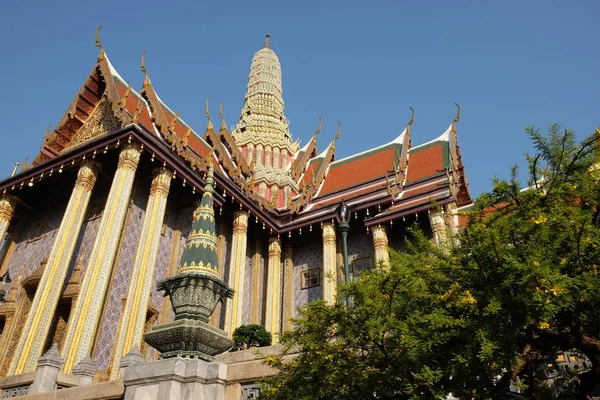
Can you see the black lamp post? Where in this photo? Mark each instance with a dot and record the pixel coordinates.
(342, 214)
(4, 280)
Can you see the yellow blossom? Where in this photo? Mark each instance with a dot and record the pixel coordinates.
(556, 290)
(543, 325)
(270, 360)
(535, 263)
(469, 298)
(563, 261)
(539, 219)
(588, 240)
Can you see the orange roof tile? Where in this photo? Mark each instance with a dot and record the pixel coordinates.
(359, 169)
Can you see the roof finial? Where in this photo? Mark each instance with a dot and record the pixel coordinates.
(223, 124)
(457, 118)
(457, 114)
(320, 126)
(209, 126)
(337, 136)
(146, 78)
(268, 41)
(412, 120)
(98, 44)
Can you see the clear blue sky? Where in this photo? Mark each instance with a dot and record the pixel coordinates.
(508, 63)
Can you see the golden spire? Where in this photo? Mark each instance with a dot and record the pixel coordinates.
(268, 41)
(146, 78)
(99, 45)
(456, 119)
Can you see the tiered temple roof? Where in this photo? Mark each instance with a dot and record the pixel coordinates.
(287, 185)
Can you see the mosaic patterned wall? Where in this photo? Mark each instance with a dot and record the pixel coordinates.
(224, 224)
(360, 243)
(248, 283)
(29, 253)
(121, 278)
(307, 254)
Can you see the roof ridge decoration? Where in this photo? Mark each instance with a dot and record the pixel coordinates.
(98, 85)
(235, 152)
(309, 153)
(394, 187)
(179, 144)
(311, 189)
(457, 179)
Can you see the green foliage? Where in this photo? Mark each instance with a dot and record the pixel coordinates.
(252, 335)
(471, 319)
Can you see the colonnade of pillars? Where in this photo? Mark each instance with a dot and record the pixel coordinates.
(86, 315)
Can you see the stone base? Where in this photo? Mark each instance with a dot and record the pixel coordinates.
(188, 338)
(175, 378)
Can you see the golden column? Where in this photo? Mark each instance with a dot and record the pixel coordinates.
(41, 313)
(7, 209)
(288, 287)
(237, 271)
(134, 314)
(7, 310)
(439, 228)
(272, 317)
(329, 278)
(380, 243)
(86, 316)
(256, 283)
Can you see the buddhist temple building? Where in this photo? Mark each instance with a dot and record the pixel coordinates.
(103, 211)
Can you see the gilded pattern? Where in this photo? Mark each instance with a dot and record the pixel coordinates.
(100, 122)
(46, 298)
(329, 277)
(273, 313)
(288, 287)
(88, 309)
(134, 316)
(237, 271)
(380, 245)
(438, 226)
(257, 287)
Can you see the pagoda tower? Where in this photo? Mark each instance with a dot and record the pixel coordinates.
(262, 132)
